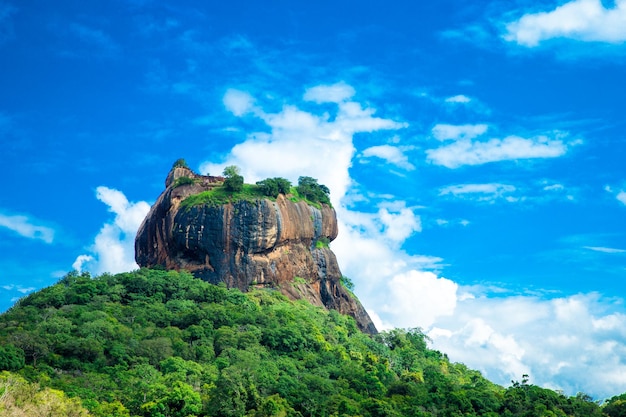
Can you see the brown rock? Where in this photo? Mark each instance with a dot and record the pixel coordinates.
(247, 244)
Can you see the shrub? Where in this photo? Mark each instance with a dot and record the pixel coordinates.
(322, 242)
(183, 181)
(180, 163)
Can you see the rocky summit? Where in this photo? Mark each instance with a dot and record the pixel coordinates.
(247, 243)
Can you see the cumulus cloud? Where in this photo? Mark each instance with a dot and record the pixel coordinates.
(466, 151)
(25, 227)
(369, 245)
(418, 297)
(582, 20)
(621, 197)
(113, 249)
(391, 154)
(554, 340)
(300, 142)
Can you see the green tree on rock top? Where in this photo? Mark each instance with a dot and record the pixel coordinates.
(234, 180)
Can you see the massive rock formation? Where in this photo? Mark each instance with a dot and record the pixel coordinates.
(245, 244)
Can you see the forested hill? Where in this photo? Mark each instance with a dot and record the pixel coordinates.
(158, 343)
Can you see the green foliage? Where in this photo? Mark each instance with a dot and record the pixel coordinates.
(183, 181)
(220, 195)
(347, 282)
(309, 189)
(272, 187)
(233, 180)
(19, 398)
(11, 358)
(180, 163)
(616, 406)
(322, 242)
(162, 343)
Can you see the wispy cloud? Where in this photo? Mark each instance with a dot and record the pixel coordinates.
(94, 37)
(114, 247)
(582, 20)
(82, 40)
(393, 155)
(466, 151)
(619, 195)
(480, 192)
(457, 132)
(26, 227)
(605, 249)
(462, 99)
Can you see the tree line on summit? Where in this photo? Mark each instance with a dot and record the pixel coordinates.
(308, 188)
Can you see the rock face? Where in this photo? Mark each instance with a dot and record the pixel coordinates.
(246, 244)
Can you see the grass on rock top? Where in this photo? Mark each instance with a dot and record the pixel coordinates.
(250, 192)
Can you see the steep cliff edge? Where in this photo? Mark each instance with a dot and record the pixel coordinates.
(246, 243)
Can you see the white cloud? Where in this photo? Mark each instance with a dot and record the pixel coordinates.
(554, 341)
(621, 197)
(369, 244)
(417, 297)
(335, 93)
(458, 99)
(583, 20)
(18, 288)
(554, 187)
(391, 154)
(480, 192)
(398, 225)
(300, 142)
(605, 249)
(114, 247)
(24, 226)
(468, 152)
(238, 102)
(456, 132)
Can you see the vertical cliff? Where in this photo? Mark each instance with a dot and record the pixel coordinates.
(247, 243)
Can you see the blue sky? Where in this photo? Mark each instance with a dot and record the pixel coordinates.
(474, 153)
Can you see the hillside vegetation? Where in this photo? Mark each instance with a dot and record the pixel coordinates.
(162, 343)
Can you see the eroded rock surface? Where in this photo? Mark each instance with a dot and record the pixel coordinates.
(246, 244)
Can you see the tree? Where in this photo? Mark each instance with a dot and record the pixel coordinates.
(309, 188)
(233, 181)
(272, 187)
(11, 358)
(616, 406)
